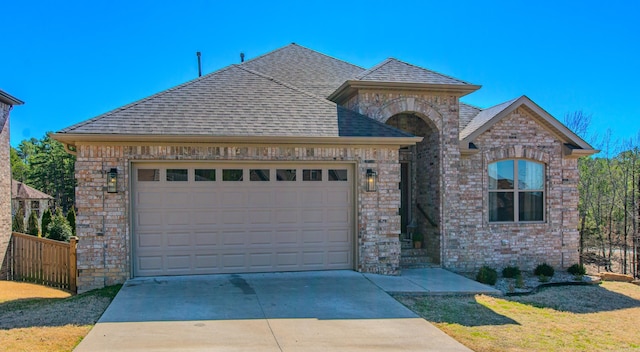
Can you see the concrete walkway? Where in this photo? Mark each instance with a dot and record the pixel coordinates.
(306, 311)
(434, 281)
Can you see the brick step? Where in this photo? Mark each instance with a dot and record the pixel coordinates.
(414, 252)
(415, 259)
(419, 266)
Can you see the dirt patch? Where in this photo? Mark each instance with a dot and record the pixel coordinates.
(10, 290)
(38, 318)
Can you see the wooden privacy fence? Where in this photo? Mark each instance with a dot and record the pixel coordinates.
(43, 261)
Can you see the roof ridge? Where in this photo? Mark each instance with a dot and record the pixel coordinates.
(374, 68)
(140, 101)
(303, 47)
(436, 72)
(285, 84)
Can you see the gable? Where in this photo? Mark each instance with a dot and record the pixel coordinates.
(487, 118)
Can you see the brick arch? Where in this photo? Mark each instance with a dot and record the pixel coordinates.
(418, 106)
(517, 152)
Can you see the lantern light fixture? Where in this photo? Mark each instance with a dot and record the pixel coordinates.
(112, 181)
(372, 180)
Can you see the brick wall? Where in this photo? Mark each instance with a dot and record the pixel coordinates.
(104, 253)
(479, 242)
(5, 188)
(463, 239)
(436, 158)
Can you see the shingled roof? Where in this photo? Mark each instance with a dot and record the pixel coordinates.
(393, 70)
(304, 68)
(234, 102)
(20, 190)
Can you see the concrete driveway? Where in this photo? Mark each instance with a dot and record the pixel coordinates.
(308, 311)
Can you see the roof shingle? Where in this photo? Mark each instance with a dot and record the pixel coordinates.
(393, 70)
(20, 190)
(309, 70)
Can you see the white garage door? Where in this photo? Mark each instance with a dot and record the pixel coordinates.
(205, 218)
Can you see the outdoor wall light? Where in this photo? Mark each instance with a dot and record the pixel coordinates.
(112, 181)
(372, 178)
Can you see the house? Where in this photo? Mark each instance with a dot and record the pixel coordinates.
(6, 104)
(29, 199)
(295, 160)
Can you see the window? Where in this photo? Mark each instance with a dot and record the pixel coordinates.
(177, 175)
(516, 191)
(232, 175)
(337, 175)
(205, 174)
(259, 175)
(35, 206)
(148, 175)
(286, 174)
(312, 175)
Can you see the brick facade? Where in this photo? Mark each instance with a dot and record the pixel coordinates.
(103, 226)
(449, 192)
(5, 187)
(455, 189)
(435, 161)
(478, 242)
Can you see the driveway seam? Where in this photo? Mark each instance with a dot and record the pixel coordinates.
(264, 314)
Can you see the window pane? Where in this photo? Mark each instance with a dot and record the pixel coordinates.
(286, 174)
(337, 175)
(530, 175)
(530, 206)
(501, 206)
(177, 175)
(259, 174)
(232, 175)
(205, 174)
(312, 175)
(148, 175)
(501, 175)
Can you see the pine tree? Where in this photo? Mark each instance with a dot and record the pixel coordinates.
(59, 228)
(71, 219)
(32, 224)
(18, 221)
(46, 220)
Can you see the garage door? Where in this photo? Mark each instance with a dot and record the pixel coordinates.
(201, 218)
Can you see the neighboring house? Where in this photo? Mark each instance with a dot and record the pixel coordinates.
(298, 161)
(6, 104)
(29, 198)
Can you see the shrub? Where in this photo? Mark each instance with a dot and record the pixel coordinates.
(71, 219)
(577, 269)
(59, 228)
(46, 220)
(544, 269)
(17, 225)
(32, 224)
(511, 272)
(487, 275)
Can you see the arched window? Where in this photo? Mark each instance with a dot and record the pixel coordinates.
(516, 191)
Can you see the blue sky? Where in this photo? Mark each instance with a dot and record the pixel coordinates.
(72, 60)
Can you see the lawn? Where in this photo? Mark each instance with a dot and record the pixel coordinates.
(571, 318)
(39, 318)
